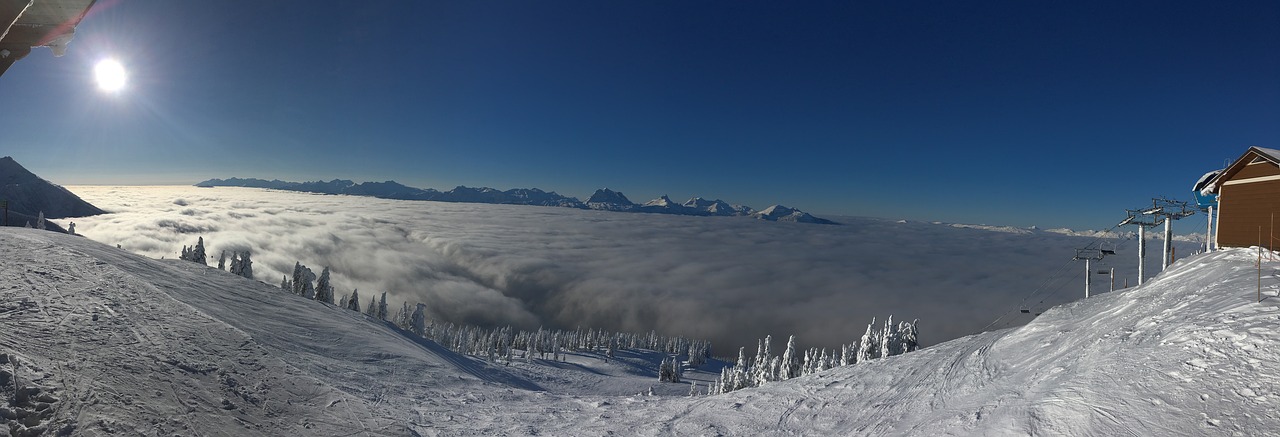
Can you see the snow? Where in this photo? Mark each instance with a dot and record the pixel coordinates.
(119, 343)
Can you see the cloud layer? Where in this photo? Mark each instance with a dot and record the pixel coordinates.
(731, 280)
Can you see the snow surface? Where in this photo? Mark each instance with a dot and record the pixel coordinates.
(119, 343)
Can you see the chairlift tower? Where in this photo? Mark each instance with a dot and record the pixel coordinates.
(1088, 255)
(1144, 218)
(1170, 210)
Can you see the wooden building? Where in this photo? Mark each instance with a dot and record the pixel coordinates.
(1249, 200)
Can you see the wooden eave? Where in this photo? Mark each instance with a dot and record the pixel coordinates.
(1249, 156)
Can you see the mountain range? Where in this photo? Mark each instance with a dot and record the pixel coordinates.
(603, 199)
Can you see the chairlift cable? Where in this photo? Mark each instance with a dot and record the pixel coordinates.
(1098, 240)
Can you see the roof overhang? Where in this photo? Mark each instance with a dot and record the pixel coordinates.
(1254, 153)
(25, 24)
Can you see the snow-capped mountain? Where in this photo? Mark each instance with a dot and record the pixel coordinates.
(717, 207)
(779, 213)
(29, 195)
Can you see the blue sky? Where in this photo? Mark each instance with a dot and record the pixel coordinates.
(1018, 113)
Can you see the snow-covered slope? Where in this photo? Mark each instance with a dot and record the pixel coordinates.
(1188, 353)
(119, 343)
(131, 345)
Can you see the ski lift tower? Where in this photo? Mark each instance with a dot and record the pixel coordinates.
(1144, 218)
(1170, 210)
(1088, 255)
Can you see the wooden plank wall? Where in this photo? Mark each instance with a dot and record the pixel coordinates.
(1247, 207)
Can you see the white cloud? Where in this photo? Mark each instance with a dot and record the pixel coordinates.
(727, 279)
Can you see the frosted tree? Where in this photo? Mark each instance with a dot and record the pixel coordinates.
(790, 363)
(324, 290)
(868, 346)
(353, 303)
(418, 322)
(222, 261)
(910, 343)
(71, 228)
(372, 309)
(246, 265)
(40, 221)
(382, 307)
(197, 253)
(302, 281)
(285, 284)
(890, 339)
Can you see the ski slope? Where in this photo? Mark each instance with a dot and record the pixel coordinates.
(101, 341)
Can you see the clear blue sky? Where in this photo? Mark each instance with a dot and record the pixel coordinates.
(1019, 113)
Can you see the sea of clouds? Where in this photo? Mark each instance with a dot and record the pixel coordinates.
(731, 280)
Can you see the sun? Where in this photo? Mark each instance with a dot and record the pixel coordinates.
(110, 75)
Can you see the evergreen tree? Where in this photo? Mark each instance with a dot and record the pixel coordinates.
(197, 253)
(868, 347)
(909, 341)
(372, 309)
(382, 307)
(790, 362)
(285, 284)
(222, 261)
(324, 291)
(418, 322)
(353, 303)
(302, 281)
(40, 221)
(246, 265)
(889, 339)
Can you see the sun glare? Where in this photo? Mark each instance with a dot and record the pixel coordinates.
(110, 75)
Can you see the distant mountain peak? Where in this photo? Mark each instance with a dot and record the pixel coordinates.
(779, 213)
(29, 195)
(607, 196)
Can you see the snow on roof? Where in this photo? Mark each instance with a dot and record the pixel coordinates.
(1204, 182)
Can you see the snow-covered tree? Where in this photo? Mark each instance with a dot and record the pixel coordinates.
(324, 290)
(245, 265)
(372, 309)
(353, 303)
(71, 228)
(869, 346)
(910, 343)
(286, 284)
(889, 339)
(382, 307)
(222, 261)
(40, 221)
(669, 370)
(790, 362)
(418, 322)
(302, 281)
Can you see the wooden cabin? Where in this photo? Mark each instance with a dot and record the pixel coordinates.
(1249, 200)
